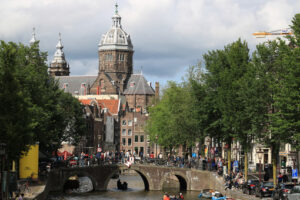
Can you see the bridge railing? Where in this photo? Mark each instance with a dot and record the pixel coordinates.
(178, 162)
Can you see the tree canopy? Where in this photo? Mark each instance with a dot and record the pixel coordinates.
(33, 108)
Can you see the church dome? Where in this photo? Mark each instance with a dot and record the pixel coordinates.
(116, 37)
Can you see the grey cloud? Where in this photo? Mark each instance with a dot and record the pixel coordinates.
(168, 35)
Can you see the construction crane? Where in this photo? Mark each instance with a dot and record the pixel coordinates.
(280, 32)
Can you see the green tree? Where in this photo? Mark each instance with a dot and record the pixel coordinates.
(16, 124)
(49, 115)
(225, 69)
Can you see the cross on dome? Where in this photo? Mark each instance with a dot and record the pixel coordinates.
(116, 18)
(116, 11)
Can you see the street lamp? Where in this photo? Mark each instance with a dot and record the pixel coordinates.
(260, 153)
(156, 138)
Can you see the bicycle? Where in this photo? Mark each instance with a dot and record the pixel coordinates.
(24, 188)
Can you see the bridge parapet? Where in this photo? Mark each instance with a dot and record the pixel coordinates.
(153, 176)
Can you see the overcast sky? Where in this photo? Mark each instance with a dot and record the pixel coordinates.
(168, 35)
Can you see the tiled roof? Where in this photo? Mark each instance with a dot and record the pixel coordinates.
(137, 84)
(111, 104)
(74, 83)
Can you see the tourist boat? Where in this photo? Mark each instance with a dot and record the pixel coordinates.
(211, 194)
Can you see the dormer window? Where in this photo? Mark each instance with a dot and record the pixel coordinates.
(132, 84)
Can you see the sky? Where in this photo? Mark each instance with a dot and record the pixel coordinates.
(168, 35)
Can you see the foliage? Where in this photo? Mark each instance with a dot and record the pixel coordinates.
(34, 108)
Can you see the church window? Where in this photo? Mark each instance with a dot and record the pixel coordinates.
(129, 132)
(129, 141)
(129, 122)
(121, 57)
(136, 138)
(141, 138)
(108, 57)
(123, 141)
(124, 122)
(123, 132)
(102, 82)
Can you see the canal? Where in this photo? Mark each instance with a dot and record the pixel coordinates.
(135, 191)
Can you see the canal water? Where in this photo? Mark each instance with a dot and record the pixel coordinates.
(135, 191)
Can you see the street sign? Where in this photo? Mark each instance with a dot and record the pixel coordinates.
(99, 149)
(294, 173)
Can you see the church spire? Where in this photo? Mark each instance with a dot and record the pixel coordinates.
(59, 54)
(33, 39)
(59, 65)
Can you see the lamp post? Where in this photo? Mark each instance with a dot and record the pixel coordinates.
(260, 153)
(156, 138)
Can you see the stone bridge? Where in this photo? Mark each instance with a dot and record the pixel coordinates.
(153, 176)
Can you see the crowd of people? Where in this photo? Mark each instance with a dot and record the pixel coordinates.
(173, 197)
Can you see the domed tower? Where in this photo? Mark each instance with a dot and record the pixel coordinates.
(59, 65)
(115, 59)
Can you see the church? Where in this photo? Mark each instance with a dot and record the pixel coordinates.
(115, 100)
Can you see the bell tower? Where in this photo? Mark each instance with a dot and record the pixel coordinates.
(115, 52)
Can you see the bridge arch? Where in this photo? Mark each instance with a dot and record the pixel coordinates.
(80, 174)
(183, 183)
(145, 177)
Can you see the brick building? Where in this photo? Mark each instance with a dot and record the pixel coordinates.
(115, 99)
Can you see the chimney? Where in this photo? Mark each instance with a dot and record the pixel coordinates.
(156, 92)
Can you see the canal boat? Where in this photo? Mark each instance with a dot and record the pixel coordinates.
(211, 194)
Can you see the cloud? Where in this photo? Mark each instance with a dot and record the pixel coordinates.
(168, 35)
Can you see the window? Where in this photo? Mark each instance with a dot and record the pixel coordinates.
(141, 138)
(129, 122)
(136, 138)
(136, 149)
(135, 120)
(121, 57)
(123, 132)
(124, 122)
(142, 149)
(129, 141)
(123, 141)
(108, 57)
(129, 132)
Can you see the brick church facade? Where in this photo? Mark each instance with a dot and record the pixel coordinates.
(116, 99)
